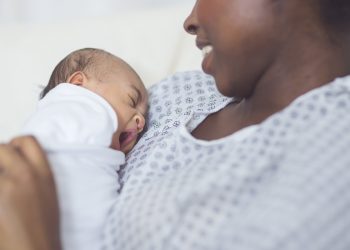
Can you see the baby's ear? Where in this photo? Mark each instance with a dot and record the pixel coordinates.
(77, 78)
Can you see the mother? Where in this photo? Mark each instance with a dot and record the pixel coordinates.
(266, 167)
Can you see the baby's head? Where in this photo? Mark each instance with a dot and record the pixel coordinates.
(113, 79)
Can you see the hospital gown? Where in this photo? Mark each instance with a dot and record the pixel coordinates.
(280, 184)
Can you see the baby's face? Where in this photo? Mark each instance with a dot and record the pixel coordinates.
(127, 95)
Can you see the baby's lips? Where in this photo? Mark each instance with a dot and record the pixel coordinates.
(127, 136)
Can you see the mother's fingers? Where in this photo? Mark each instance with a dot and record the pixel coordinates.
(11, 160)
(30, 149)
(29, 217)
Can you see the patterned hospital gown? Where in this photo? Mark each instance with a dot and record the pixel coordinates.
(282, 184)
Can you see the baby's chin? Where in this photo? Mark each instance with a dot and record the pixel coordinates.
(128, 147)
(125, 149)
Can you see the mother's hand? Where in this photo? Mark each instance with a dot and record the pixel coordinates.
(28, 201)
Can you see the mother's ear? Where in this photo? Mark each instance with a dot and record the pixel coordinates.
(77, 78)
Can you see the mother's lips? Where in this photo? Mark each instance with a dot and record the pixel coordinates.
(204, 46)
(201, 43)
(206, 50)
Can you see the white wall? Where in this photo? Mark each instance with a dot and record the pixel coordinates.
(55, 10)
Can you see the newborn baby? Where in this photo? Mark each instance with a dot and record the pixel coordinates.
(88, 118)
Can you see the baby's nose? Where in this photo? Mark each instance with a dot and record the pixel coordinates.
(140, 122)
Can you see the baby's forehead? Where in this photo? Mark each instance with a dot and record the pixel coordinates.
(112, 67)
(118, 68)
(124, 68)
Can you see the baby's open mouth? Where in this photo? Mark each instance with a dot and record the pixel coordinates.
(126, 137)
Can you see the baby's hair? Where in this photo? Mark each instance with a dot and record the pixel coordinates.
(83, 60)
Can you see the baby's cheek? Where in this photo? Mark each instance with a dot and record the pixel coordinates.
(115, 141)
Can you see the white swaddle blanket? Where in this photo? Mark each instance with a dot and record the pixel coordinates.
(75, 127)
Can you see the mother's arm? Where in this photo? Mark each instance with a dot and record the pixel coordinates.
(29, 218)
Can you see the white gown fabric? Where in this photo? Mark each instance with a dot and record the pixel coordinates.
(281, 184)
(75, 128)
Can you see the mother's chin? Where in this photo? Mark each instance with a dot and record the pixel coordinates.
(233, 87)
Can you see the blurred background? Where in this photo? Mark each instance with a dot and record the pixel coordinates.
(36, 34)
(56, 10)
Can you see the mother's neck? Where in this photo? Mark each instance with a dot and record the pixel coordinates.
(301, 65)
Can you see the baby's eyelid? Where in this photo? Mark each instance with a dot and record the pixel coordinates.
(138, 100)
(134, 103)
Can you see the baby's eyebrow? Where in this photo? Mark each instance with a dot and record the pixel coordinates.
(139, 98)
(137, 91)
(139, 95)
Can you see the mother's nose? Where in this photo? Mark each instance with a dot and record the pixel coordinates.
(191, 24)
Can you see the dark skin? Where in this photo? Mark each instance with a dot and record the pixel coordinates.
(266, 52)
(265, 70)
(29, 218)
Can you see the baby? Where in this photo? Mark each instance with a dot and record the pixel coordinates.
(88, 118)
